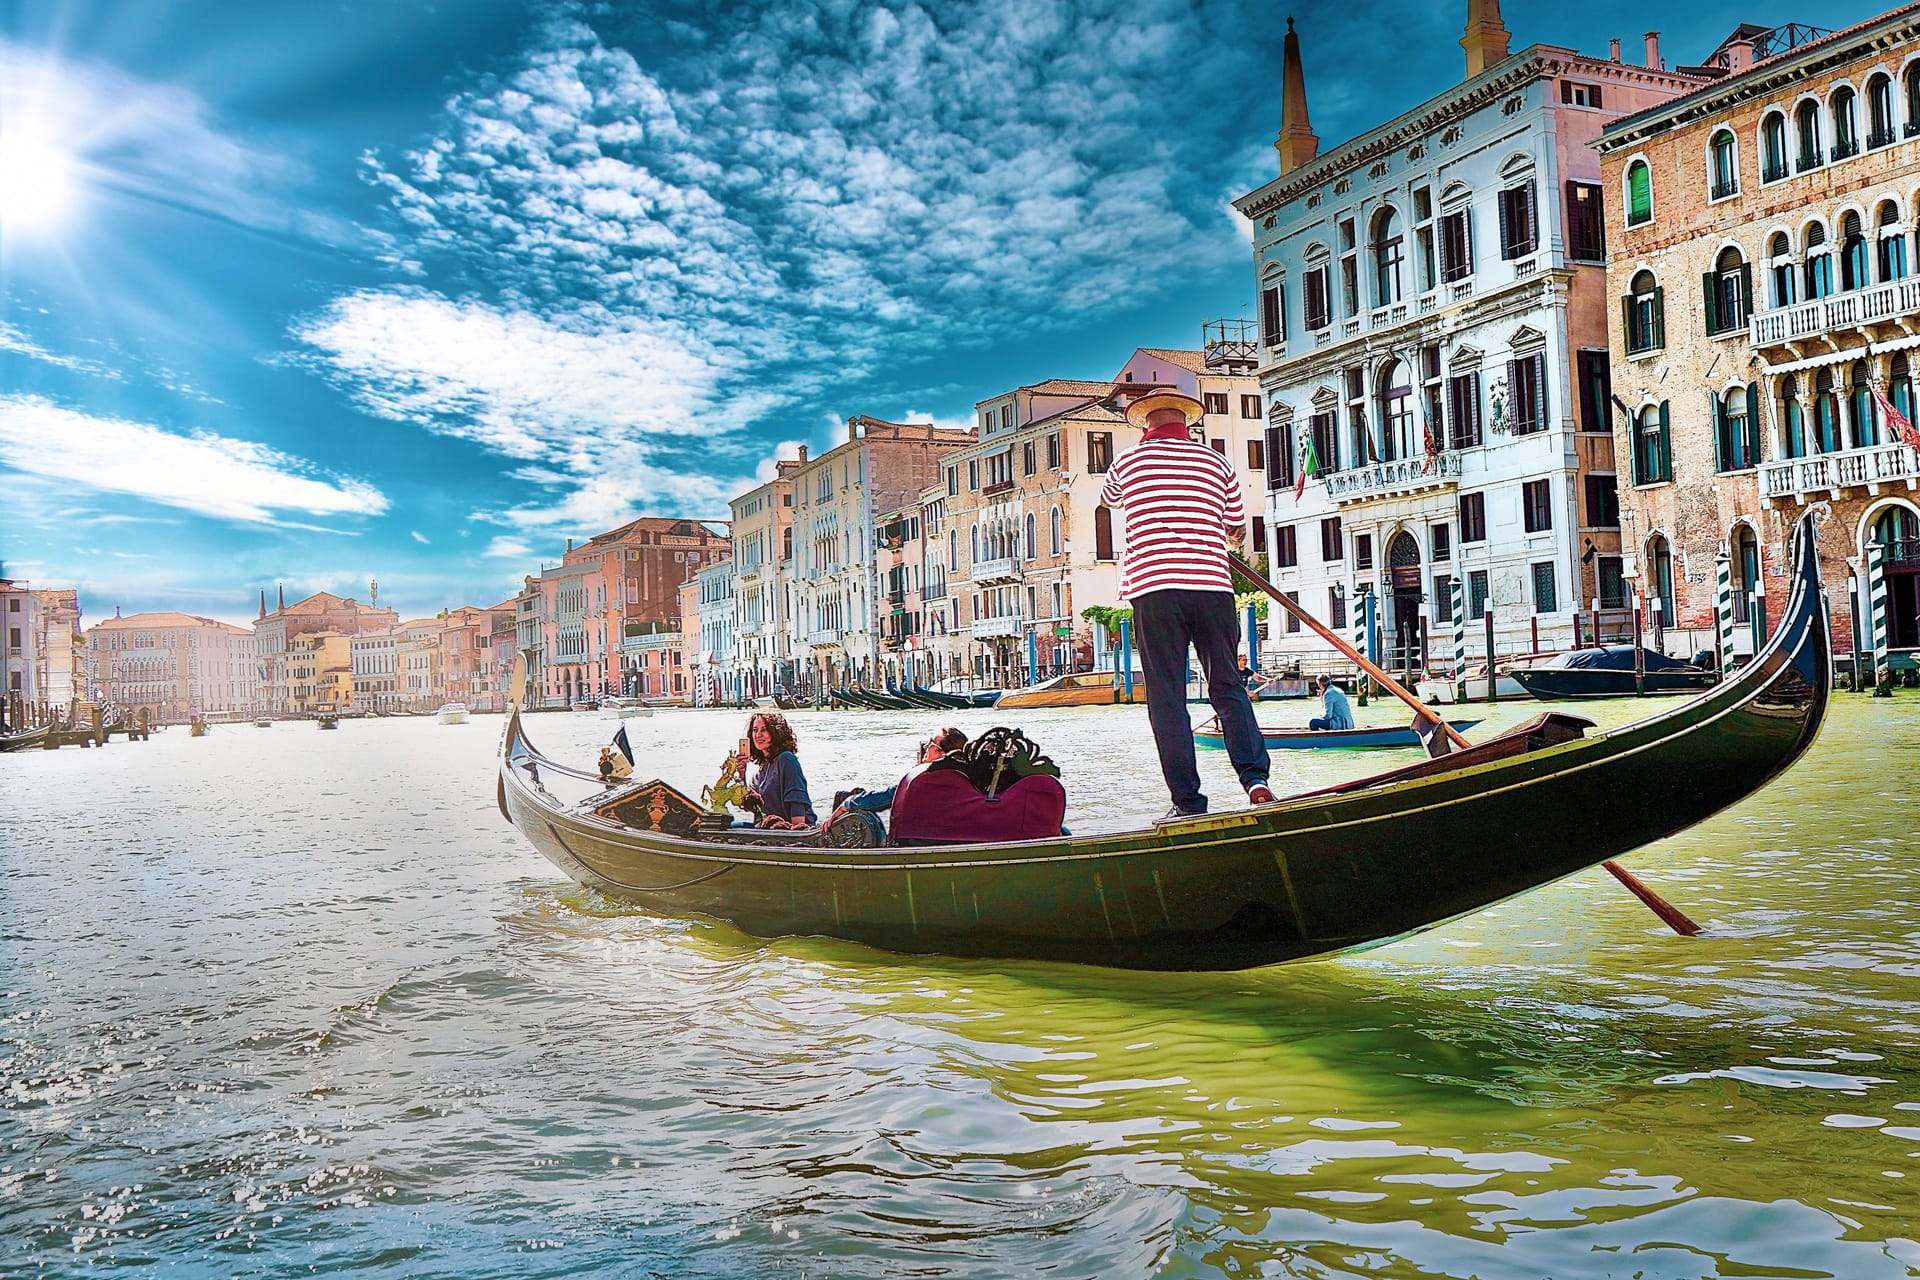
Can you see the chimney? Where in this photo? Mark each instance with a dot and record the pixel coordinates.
(1739, 56)
(283, 597)
(803, 453)
(1296, 143)
(116, 611)
(1486, 37)
(1653, 51)
(1613, 49)
(569, 544)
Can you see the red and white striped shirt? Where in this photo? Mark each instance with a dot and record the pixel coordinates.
(1180, 497)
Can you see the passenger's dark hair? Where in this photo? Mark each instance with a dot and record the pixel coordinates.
(949, 739)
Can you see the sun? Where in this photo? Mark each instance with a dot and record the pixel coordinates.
(37, 184)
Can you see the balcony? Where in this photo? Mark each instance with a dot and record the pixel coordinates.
(1880, 138)
(1808, 160)
(996, 628)
(1774, 170)
(1846, 148)
(1395, 479)
(1826, 474)
(1003, 570)
(830, 639)
(997, 487)
(1894, 300)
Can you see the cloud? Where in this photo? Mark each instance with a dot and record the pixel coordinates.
(13, 340)
(201, 472)
(508, 549)
(420, 538)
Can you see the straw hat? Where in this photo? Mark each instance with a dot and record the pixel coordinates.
(1139, 410)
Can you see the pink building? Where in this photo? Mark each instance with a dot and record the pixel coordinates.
(172, 665)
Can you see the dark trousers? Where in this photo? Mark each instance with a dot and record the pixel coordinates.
(1165, 623)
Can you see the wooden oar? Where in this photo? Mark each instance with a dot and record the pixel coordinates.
(1675, 918)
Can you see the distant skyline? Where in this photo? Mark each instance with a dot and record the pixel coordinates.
(309, 295)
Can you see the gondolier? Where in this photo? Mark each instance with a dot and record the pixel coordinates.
(1182, 502)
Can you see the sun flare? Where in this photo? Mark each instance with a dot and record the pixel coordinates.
(37, 184)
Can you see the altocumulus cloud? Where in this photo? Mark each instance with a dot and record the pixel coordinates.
(782, 203)
(201, 472)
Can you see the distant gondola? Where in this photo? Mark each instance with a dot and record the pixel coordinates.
(1340, 869)
(1608, 672)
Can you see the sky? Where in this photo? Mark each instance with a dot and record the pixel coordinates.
(314, 294)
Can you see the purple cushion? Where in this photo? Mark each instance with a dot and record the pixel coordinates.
(942, 807)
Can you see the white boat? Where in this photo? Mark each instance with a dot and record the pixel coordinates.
(451, 713)
(626, 708)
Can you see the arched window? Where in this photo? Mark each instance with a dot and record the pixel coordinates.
(1793, 427)
(1729, 288)
(1644, 314)
(1826, 413)
(1738, 428)
(1102, 533)
(1660, 557)
(1773, 147)
(1900, 386)
(1892, 242)
(1394, 392)
(1819, 268)
(1846, 123)
(1053, 529)
(1898, 533)
(1030, 547)
(1912, 82)
(1639, 193)
(1780, 264)
(973, 543)
(953, 548)
(1853, 253)
(1880, 110)
(1652, 458)
(1389, 258)
(1806, 121)
(1866, 425)
(1723, 175)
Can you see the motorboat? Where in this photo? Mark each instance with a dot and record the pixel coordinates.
(626, 708)
(1080, 689)
(1611, 671)
(451, 713)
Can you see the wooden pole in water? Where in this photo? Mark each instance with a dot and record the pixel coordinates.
(1675, 919)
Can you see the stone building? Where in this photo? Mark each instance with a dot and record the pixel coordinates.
(900, 567)
(376, 676)
(59, 646)
(172, 665)
(716, 679)
(274, 633)
(1763, 271)
(762, 529)
(1433, 347)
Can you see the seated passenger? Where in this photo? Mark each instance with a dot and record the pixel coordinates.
(1339, 710)
(997, 789)
(940, 744)
(777, 792)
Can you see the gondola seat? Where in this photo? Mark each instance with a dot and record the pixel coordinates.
(943, 806)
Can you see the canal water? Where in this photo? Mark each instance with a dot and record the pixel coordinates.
(277, 1001)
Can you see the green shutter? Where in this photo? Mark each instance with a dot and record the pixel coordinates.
(1721, 449)
(1710, 291)
(1626, 323)
(1663, 455)
(1746, 295)
(1659, 316)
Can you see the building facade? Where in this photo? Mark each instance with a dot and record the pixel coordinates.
(172, 665)
(59, 647)
(1765, 304)
(762, 529)
(1433, 350)
(274, 633)
(716, 679)
(376, 676)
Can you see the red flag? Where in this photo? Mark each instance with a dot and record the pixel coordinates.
(1901, 424)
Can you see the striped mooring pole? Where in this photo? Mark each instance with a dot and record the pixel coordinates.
(1723, 608)
(1360, 630)
(1877, 607)
(1458, 590)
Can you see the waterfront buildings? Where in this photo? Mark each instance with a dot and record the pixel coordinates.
(58, 647)
(173, 665)
(716, 679)
(1764, 299)
(762, 529)
(1433, 347)
(275, 632)
(376, 675)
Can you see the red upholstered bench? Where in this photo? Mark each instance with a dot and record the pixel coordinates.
(942, 806)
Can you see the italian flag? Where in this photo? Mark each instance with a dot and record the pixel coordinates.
(1309, 466)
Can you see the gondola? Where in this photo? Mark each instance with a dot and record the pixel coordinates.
(22, 739)
(1345, 868)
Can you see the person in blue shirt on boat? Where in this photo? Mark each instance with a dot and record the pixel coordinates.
(777, 792)
(940, 745)
(1334, 702)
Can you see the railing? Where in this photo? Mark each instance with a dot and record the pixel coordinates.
(1846, 148)
(1895, 298)
(1774, 170)
(994, 628)
(1872, 464)
(1429, 303)
(1808, 160)
(1459, 290)
(1913, 129)
(1404, 475)
(830, 639)
(998, 486)
(1882, 137)
(1003, 570)
(1525, 267)
(1724, 187)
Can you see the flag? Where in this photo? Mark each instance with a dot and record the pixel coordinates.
(1426, 431)
(1309, 466)
(1901, 424)
(625, 748)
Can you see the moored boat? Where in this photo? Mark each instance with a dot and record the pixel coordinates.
(22, 739)
(627, 708)
(1283, 739)
(1608, 672)
(1081, 689)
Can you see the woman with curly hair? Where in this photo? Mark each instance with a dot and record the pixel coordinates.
(777, 792)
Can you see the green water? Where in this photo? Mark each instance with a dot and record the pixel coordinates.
(279, 1000)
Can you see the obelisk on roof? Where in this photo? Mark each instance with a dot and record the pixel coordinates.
(1486, 37)
(1296, 143)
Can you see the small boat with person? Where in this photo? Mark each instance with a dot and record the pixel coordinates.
(1287, 739)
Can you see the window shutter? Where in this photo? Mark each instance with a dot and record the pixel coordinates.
(1280, 309)
(1593, 95)
(1506, 224)
(1746, 293)
(1663, 458)
(1270, 315)
(1540, 401)
(1276, 459)
(1514, 424)
(1566, 91)
(1531, 212)
(1659, 315)
(1710, 290)
(1627, 335)
(1721, 451)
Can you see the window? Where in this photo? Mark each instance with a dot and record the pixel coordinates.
(1319, 313)
(1880, 111)
(1536, 505)
(1054, 461)
(1330, 544)
(1613, 585)
(1362, 551)
(1727, 288)
(1473, 517)
(1293, 619)
(1806, 119)
(1099, 452)
(1218, 446)
(1723, 175)
(1519, 234)
(1031, 542)
(1250, 407)
(1826, 413)
(1846, 124)
(1324, 438)
(1773, 147)
(1586, 222)
(973, 475)
(1576, 94)
(1257, 535)
(1893, 244)
(1428, 265)
(1736, 437)
(1029, 459)
(1527, 389)
(1349, 271)
(1544, 600)
(1639, 193)
(1102, 533)
(1652, 458)
(1780, 262)
(1819, 263)
(1853, 253)
(1643, 311)
(1911, 77)
(1456, 245)
(1054, 532)
(1336, 607)
(1278, 456)
(1273, 310)
(1443, 597)
(1792, 427)
(1477, 594)
(1463, 410)
(1442, 543)
(1603, 500)
(1216, 401)
(1256, 455)
(1596, 390)
(1285, 552)
(1389, 259)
